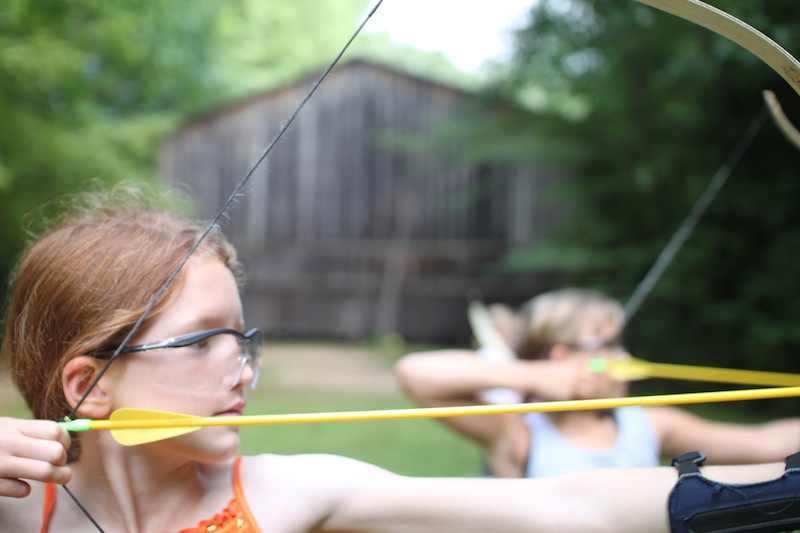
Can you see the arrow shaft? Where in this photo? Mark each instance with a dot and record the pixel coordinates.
(725, 375)
(444, 412)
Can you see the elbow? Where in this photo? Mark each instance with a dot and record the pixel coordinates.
(437, 378)
(409, 370)
(424, 377)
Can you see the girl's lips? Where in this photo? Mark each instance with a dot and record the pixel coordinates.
(236, 410)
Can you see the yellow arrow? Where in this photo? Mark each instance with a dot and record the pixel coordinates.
(132, 427)
(636, 369)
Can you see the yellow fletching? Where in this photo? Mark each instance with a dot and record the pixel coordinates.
(174, 425)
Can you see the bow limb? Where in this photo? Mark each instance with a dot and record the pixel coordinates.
(485, 330)
(788, 129)
(737, 31)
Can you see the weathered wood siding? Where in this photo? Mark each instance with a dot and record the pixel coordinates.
(343, 233)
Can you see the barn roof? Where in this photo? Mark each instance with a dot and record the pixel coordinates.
(308, 79)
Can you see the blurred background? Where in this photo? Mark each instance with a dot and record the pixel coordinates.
(459, 150)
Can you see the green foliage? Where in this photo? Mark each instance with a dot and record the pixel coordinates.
(433, 66)
(89, 89)
(264, 44)
(642, 108)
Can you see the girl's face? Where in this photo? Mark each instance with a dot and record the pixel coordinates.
(602, 341)
(199, 379)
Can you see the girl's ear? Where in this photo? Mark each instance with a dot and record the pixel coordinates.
(76, 379)
(558, 352)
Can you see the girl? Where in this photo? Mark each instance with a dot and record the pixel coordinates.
(554, 335)
(78, 291)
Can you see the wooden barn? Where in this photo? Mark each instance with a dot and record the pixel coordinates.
(346, 234)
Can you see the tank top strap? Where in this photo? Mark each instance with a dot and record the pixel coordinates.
(49, 505)
(238, 505)
(238, 492)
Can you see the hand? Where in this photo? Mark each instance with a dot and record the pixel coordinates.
(571, 379)
(592, 384)
(35, 450)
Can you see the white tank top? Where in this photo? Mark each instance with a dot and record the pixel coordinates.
(552, 454)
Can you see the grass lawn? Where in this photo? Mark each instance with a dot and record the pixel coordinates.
(412, 447)
(318, 378)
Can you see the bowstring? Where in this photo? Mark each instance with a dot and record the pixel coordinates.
(700, 206)
(212, 226)
(83, 509)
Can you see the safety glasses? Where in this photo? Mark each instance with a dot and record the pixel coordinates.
(203, 360)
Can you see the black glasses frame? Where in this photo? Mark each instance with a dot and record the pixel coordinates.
(598, 343)
(251, 335)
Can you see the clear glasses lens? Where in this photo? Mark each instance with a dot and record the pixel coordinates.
(217, 363)
(249, 358)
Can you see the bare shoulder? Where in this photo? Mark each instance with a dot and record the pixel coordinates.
(297, 492)
(305, 468)
(666, 419)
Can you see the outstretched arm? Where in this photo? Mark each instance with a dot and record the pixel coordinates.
(337, 494)
(723, 443)
(619, 500)
(591, 501)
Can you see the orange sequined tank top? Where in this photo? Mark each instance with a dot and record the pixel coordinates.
(235, 518)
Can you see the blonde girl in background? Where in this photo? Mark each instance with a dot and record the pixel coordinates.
(553, 336)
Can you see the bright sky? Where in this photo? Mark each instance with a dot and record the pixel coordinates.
(466, 31)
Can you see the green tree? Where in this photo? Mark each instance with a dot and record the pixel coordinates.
(642, 108)
(89, 89)
(265, 44)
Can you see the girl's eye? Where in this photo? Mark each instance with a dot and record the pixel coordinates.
(200, 345)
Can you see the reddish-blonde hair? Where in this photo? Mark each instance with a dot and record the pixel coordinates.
(84, 283)
(561, 317)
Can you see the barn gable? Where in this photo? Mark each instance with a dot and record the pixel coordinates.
(343, 233)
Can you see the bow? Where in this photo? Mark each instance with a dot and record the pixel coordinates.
(691, 10)
(737, 31)
(789, 130)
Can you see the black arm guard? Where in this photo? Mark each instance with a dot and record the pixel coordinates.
(700, 505)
